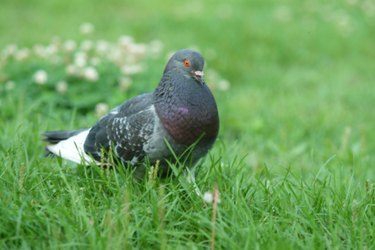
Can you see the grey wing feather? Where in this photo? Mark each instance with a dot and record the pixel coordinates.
(124, 130)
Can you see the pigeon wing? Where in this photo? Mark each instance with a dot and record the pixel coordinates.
(124, 131)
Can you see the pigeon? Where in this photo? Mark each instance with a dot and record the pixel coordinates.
(178, 120)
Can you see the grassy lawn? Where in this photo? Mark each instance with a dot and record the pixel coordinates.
(294, 163)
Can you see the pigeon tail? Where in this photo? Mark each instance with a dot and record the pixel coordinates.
(54, 137)
(68, 145)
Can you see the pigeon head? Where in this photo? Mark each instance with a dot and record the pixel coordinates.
(184, 104)
(189, 62)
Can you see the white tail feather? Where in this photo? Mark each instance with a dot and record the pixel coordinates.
(72, 149)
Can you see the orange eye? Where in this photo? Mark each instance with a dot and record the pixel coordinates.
(187, 63)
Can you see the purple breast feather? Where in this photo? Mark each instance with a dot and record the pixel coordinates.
(183, 110)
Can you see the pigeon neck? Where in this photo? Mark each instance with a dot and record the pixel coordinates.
(187, 109)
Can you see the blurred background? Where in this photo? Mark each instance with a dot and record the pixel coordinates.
(293, 79)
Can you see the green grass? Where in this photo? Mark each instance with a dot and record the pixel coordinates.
(294, 162)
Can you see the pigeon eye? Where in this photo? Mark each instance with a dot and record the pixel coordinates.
(187, 63)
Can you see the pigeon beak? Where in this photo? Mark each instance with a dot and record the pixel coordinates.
(198, 75)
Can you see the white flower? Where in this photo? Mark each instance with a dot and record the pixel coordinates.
(61, 87)
(368, 7)
(39, 50)
(51, 49)
(70, 45)
(224, 11)
(216, 81)
(101, 109)
(80, 59)
(71, 69)
(137, 49)
(22, 54)
(156, 47)
(90, 74)
(40, 77)
(56, 40)
(115, 55)
(126, 41)
(87, 28)
(55, 59)
(223, 85)
(87, 45)
(10, 50)
(125, 83)
(208, 197)
(9, 85)
(283, 14)
(132, 69)
(102, 47)
(95, 61)
(352, 2)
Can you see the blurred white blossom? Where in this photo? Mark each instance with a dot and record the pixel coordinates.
(124, 83)
(56, 40)
(224, 11)
(352, 2)
(155, 47)
(90, 74)
(80, 59)
(132, 69)
(40, 77)
(223, 85)
(70, 45)
(87, 45)
(56, 59)
(101, 109)
(125, 41)
(9, 85)
(102, 47)
(39, 50)
(95, 61)
(71, 70)
(368, 6)
(283, 13)
(217, 82)
(51, 49)
(86, 28)
(62, 87)
(208, 197)
(137, 49)
(10, 50)
(115, 55)
(22, 54)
